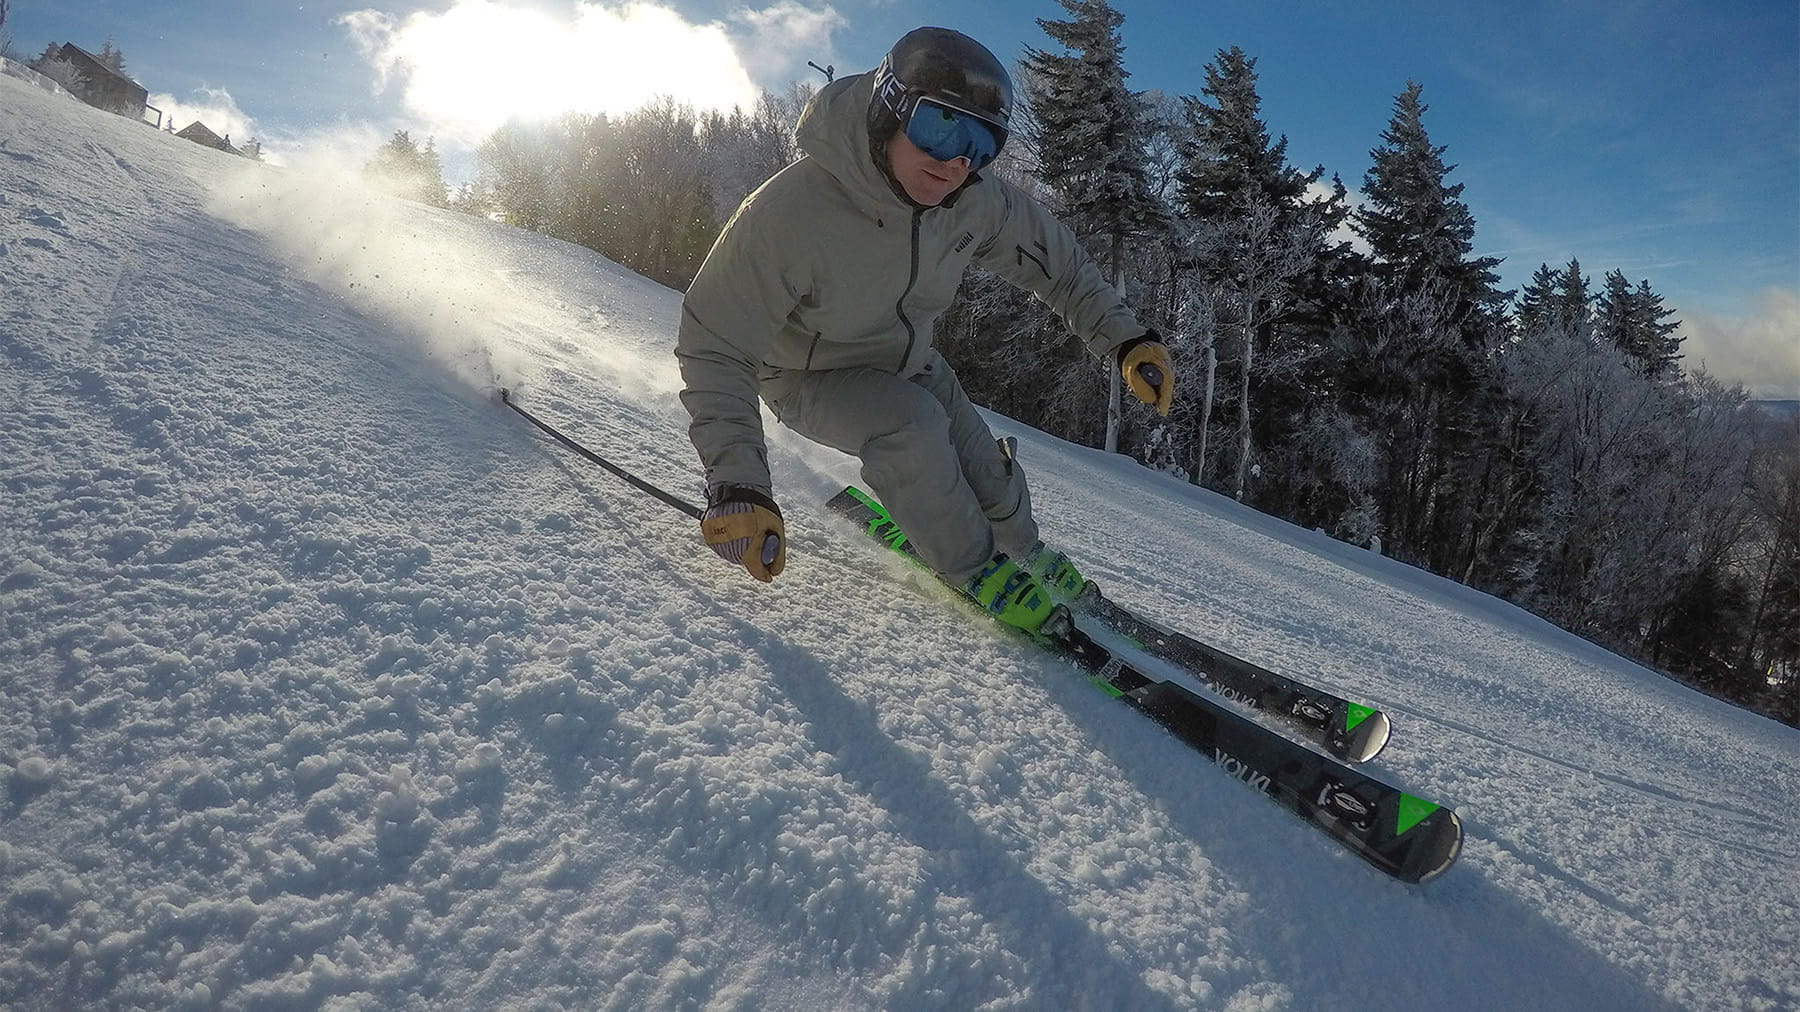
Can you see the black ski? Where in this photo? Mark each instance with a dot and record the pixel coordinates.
(1348, 730)
(1403, 835)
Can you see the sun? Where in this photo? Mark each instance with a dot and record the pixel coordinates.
(472, 68)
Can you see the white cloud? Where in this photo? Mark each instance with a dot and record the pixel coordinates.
(1761, 350)
(467, 70)
(213, 106)
(779, 38)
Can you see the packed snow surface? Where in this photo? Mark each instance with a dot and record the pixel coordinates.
(329, 682)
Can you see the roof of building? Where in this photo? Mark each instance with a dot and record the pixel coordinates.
(200, 133)
(101, 64)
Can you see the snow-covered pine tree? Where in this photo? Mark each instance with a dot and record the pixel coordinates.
(1421, 237)
(1663, 362)
(403, 168)
(1228, 154)
(1535, 301)
(111, 56)
(1635, 321)
(1572, 307)
(1418, 228)
(1615, 316)
(1089, 134)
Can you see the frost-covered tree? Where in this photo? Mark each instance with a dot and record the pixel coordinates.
(1269, 256)
(1635, 321)
(1592, 418)
(1229, 158)
(1421, 237)
(1535, 313)
(1164, 139)
(111, 56)
(1687, 522)
(1416, 224)
(517, 165)
(1260, 245)
(1089, 133)
(407, 170)
(52, 65)
(1643, 507)
(743, 148)
(636, 189)
(473, 198)
(1769, 658)
(668, 221)
(1571, 308)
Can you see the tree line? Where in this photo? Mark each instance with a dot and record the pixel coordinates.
(650, 189)
(1354, 368)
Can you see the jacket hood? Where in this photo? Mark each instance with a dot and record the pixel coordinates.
(834, 131)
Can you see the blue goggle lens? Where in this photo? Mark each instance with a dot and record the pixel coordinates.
(945, 134)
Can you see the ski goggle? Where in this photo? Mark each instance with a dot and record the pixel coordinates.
(945, 133)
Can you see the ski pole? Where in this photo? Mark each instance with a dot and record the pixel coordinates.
(771, 546)
(681, 504)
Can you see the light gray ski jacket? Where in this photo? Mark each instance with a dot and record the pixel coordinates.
(826, 267)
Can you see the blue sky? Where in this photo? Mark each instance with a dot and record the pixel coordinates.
(1658, 137)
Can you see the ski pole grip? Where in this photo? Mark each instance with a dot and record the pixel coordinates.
(1151, 374)
(771, 548)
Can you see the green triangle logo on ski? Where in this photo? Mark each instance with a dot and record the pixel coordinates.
(1412, 811)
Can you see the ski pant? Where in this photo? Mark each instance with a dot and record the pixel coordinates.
(926, 453)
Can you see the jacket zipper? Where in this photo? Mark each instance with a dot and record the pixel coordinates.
(912, 279)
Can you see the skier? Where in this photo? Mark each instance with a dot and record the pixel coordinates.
(820, 296)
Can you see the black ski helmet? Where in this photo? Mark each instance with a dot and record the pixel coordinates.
(947, 67)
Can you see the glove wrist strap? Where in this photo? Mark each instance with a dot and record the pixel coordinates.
(1126, 348)
(725, 492)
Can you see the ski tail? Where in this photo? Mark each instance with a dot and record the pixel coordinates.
(863, 508)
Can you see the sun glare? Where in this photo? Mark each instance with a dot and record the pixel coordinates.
(470, 69)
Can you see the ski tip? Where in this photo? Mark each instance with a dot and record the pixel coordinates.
(1434, 852)
(1368, 738)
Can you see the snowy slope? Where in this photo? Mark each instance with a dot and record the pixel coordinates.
(329, 683)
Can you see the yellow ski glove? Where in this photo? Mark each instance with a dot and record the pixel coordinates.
(743, 526)
(1148, 373)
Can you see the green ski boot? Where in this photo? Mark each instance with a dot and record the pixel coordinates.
(1055, 572)
(1011, 594)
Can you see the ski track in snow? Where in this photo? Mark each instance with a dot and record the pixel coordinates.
(330, 683)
